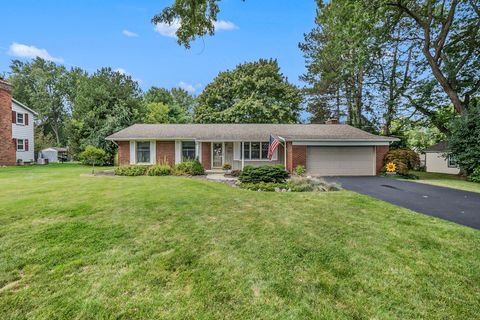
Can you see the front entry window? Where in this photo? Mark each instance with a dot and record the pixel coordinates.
(143, 152)
(188, 150)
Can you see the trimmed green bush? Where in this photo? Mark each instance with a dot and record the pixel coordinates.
(263, 186)
(159, 170)
(265, 173)
(475, 176)
(190, 167)
(131, 171)
(300, 170)
(311, 185)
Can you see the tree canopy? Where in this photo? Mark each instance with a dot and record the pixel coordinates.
(254, 92)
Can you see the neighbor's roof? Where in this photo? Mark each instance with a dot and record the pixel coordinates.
(442, 146)
(246, 132)
(24, 106)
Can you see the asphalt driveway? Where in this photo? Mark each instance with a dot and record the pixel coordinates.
(459, 206)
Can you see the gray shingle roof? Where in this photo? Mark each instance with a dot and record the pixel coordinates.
(442, 146)
(246, 132)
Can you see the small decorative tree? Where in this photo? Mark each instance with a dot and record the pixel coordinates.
(94, 156)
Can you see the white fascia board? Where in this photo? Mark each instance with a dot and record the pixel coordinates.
(340, 143)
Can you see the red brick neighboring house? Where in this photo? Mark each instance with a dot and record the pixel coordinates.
(324, 149)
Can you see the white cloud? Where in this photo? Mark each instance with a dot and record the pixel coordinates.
(130, 34)
(189, 87)
(25, 51)
(168, 30)
(122, 71)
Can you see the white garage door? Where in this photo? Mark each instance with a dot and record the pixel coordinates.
(341, 161)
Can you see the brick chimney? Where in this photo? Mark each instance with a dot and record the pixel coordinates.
(7, 147)
(331, 121)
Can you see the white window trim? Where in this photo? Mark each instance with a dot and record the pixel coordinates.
(449, 157)
(274, 157)
(181, 149)
(151, 156)
(23, 145)
(20, 123)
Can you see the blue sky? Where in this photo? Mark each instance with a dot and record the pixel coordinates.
(92, 34)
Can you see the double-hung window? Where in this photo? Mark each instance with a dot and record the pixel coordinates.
(255, 150)
(143, 152)
(20, 145)
(452, 161)
(20, 118)
(188, 150)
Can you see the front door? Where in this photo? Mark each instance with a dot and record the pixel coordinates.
(217, 155)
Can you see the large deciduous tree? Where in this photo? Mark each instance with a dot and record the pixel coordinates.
(106, 102)
(254, 92)
(168, 106)
(48, 88)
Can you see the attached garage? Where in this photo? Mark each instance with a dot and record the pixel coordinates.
(341, 161)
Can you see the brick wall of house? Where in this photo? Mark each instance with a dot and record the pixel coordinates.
(123, 153)
(166, 152)
(7, 146)
(206, 155)
(296, 155)
(381, 151)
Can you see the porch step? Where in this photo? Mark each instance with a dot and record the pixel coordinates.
(214, 171)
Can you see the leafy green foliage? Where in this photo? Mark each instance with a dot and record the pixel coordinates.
(93, 156)
(404, 159)
(475, 175)
(160, 170)
(168, 106)
(264, 186)
(190, 167)
(131, 171)
(227, 166)
(50, 90)
(267, 173)
(464, 141)
(105, 103)
(300, 170)
(298, 184)
(254, 92)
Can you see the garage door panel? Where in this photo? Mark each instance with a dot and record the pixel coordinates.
(340, 161)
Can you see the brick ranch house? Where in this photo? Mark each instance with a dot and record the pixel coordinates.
(16, 129)
(324, 149)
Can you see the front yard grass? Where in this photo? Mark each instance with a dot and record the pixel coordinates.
(447, 180)
(79, 247)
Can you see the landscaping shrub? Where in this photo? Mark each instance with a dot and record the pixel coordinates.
(235, 173)
(190, 167)
(227, 166)
(300, 170)
(93, 156)
(265, 173)
(404, 159)
(475, 176)
(310, 185)
(159, 170)
(131, 171)
(263, 186)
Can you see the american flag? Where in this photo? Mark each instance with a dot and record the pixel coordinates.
(272, 146)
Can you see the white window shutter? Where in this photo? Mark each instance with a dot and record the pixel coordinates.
(178, 151)
(132, 152)
(153, 152)
(275, 155)
(198, 150)
(237, 150)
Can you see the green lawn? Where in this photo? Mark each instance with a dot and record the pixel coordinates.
(78, 247)
(447, 180)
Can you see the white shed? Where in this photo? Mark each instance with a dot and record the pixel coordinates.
(53, 154)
